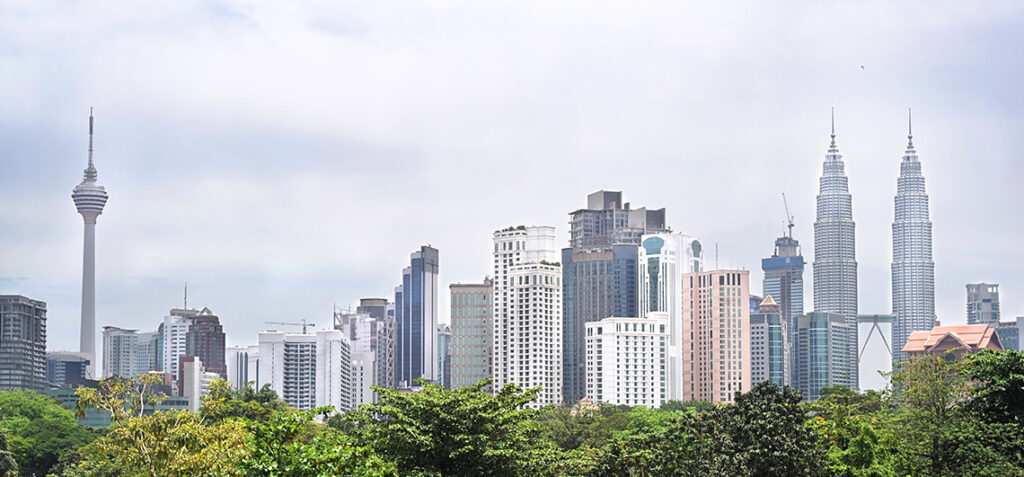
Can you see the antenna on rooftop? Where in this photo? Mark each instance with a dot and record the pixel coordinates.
(186, 295)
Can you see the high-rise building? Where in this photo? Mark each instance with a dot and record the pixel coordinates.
(205, 339)
(89, 199)
(913, 271)
(65, 367)
(1010, 333)
(371, 342)
(22, 343)
(119, 352)
(663, 259)
(195, 380)
(148, 355)
(527, 334)
(444, 356)
(334, 370)
(471, 319)
(716, 341)
(822, 359)
(175, 328)
(599, 274)
(417, 318)
(835, 258)
(982, 303)
(306, 370)
(236, 362)
(626, 360)
(770, 354)
(375, 307)
(784, 282)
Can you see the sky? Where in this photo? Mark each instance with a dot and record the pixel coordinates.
(284, 157)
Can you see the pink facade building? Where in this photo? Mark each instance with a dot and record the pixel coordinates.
(716, 341)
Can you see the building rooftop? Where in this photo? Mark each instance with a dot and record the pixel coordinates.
(971, 337)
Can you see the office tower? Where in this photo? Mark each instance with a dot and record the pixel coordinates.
(371, 342)
(471, 321)
(821, 357)
(416, 318)
(444, 356)
(784, 277)
(148, 355)
(65, 367)
(835, 260)
(119, 352)
(716, 344)
(527, 333)
(89, 199)
(205, 339)
(599, 274)
(982, 303)
(22, 343)
(236, 363)
(770, 354)
(1010, 333)
(663, 259)
(333, 370)
(375, 307)
(175, 327)
(913, 271)
(626, 360)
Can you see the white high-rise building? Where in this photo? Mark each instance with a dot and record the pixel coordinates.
(913, 271)
(236, 359)
(626, 360)
(663, 259)
(119, 346)
(368, 336)
(306, 370)
(835, 257)
(89, 199)
(195, 381)
(175, 328)
(148, 353)
(527, 335)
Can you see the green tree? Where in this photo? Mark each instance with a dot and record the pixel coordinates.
(40, 430)
(223, 402)
(8, 466)
(459, 432)
(582, 425)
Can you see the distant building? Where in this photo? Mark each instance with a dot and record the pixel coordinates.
(119, 349)
(371, 341)
(599, 274)
(956, 340)
(527, 336)
(194, 381)
(64, 367)
(236, 363)
(716, 338)
(663, 259)
(205, 339)
(416, 316)
(307, 370)
(822, 356)
(471, 321)
(1010, 333)
(22, 343)
(982, 303)
(626, 360)
(333, 370)
(375, 307)
(770, 352)
(444, 356)
(148, 355)
(175, 329)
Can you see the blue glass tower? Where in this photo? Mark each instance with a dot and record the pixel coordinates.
(416, 316)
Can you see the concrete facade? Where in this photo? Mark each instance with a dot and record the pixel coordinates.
(716, 337)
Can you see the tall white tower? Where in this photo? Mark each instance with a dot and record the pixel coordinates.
(913, 271)
(89, 200)
(835, 257)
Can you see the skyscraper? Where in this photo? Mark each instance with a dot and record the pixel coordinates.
(205, 338)
(821, 360)
(175, 327)
(784, 277)
(527, 338)
(716, 337)
(471, 321)
(663, 259)
(770, 355)
(982, 303)
(835, 257)
(89, 200)
(22, 343)
(119, 349)
(599, 274)
(417, 318)
(913, 271)
(444, 356)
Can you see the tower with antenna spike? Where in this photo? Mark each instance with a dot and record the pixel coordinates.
(913, 271)
(89, 198)
(835, 257)
(784, 281)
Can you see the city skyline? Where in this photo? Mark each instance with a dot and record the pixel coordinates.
(251, 199)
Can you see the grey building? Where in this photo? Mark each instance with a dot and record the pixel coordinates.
(64, 367)
(471, 325)
(119, 348)
(913, 271)
(22, 343)
(1010, 333)
(835, 257)
(770, 355)
(206, 340)
(599, 274)
(821, 358)
(416, 317)
(444, 356)
(982, 303)
(784, 280)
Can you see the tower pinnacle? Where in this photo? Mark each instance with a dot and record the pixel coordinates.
(910, 131)
(833, 126)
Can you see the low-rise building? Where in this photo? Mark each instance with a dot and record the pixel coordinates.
(953, 341)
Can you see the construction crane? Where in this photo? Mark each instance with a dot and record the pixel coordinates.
(304, 324)
(789, 216)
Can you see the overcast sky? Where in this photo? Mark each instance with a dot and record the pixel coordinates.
(282, 157)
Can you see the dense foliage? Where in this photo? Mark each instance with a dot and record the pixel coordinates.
(940, 418)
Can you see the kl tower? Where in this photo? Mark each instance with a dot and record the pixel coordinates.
(89, 200)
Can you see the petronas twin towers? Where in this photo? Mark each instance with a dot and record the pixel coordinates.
(835, 260)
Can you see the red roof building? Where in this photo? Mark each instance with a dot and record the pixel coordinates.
(959, 340)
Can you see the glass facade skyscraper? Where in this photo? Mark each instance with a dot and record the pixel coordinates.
(471, 321)
(416, 317)
(823, 340)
